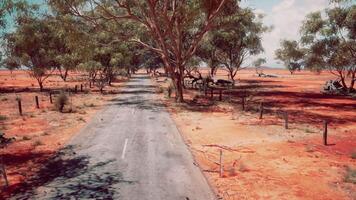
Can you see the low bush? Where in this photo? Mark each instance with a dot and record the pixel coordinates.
(61, 101)
(350, 176)
(3, 118)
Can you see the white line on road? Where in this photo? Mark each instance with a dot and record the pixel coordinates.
(124, 150)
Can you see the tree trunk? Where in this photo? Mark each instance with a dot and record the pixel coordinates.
(178, 83)
(40, 83)
(179, 90)
(65, 75)
(212, 71)
(343, 82)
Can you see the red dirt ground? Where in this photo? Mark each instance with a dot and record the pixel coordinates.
(261, 159)
(39, 133)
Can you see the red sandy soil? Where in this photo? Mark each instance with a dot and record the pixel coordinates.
(39, 133)
(261, 159)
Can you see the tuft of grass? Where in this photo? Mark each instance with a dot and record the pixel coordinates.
(353, 155)
(307, 130)
(81, 119)
(44, 134)
(26, 137)
(3, 118)
(350, 176)
(82, 112)
(4, 99)
(159, 90)
(89, 105)
(37, 143)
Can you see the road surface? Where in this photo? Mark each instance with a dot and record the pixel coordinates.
(131, 150)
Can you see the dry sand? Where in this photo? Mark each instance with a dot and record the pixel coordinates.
(261, 159)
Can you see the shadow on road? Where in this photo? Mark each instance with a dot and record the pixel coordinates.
(68, 176)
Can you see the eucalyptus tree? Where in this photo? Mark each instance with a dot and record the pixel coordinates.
(207, 52)
(291, 54)
(330, 38)
(172, 29)
(33, 45)
(238, 38)
(258, 65)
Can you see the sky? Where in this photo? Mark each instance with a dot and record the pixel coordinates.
(285, 16)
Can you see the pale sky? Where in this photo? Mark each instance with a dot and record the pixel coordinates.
(286, 17)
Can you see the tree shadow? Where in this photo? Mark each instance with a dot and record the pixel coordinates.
(139, 103)
(67, 175)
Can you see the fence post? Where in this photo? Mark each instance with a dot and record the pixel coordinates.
(286, 120)
(261, 110)
(89, 84)
(20, 106)
(221, 164)
(81, 87)
(220, 95)
(75, 89)
(50, 97)
(325, 134)
(37, 103)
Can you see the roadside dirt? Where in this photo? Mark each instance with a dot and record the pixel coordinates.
(39, 133)
(262, 159)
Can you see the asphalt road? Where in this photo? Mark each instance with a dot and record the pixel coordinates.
(130, 150)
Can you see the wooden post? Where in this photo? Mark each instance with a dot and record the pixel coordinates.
(325, 134)
(50, 97)
(212, 93)
(89, 84)
(37, 103)
(243, 103)
(220, 95)
(81, 87)
(286, 120)
(75, 89)
(221, 164)
(20, 106)
(261, 110)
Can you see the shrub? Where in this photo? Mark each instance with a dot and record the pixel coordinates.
(4, 141)
(37, 143)
(350, 176)
(3, 118)
(353, 155)
(61, 101)
(159, 90)
(26, 137)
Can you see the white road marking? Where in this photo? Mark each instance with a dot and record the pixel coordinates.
(124, 150)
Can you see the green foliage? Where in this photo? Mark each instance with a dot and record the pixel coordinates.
(291, 55)
(330, 38)
(61, 101)
(236, 38)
